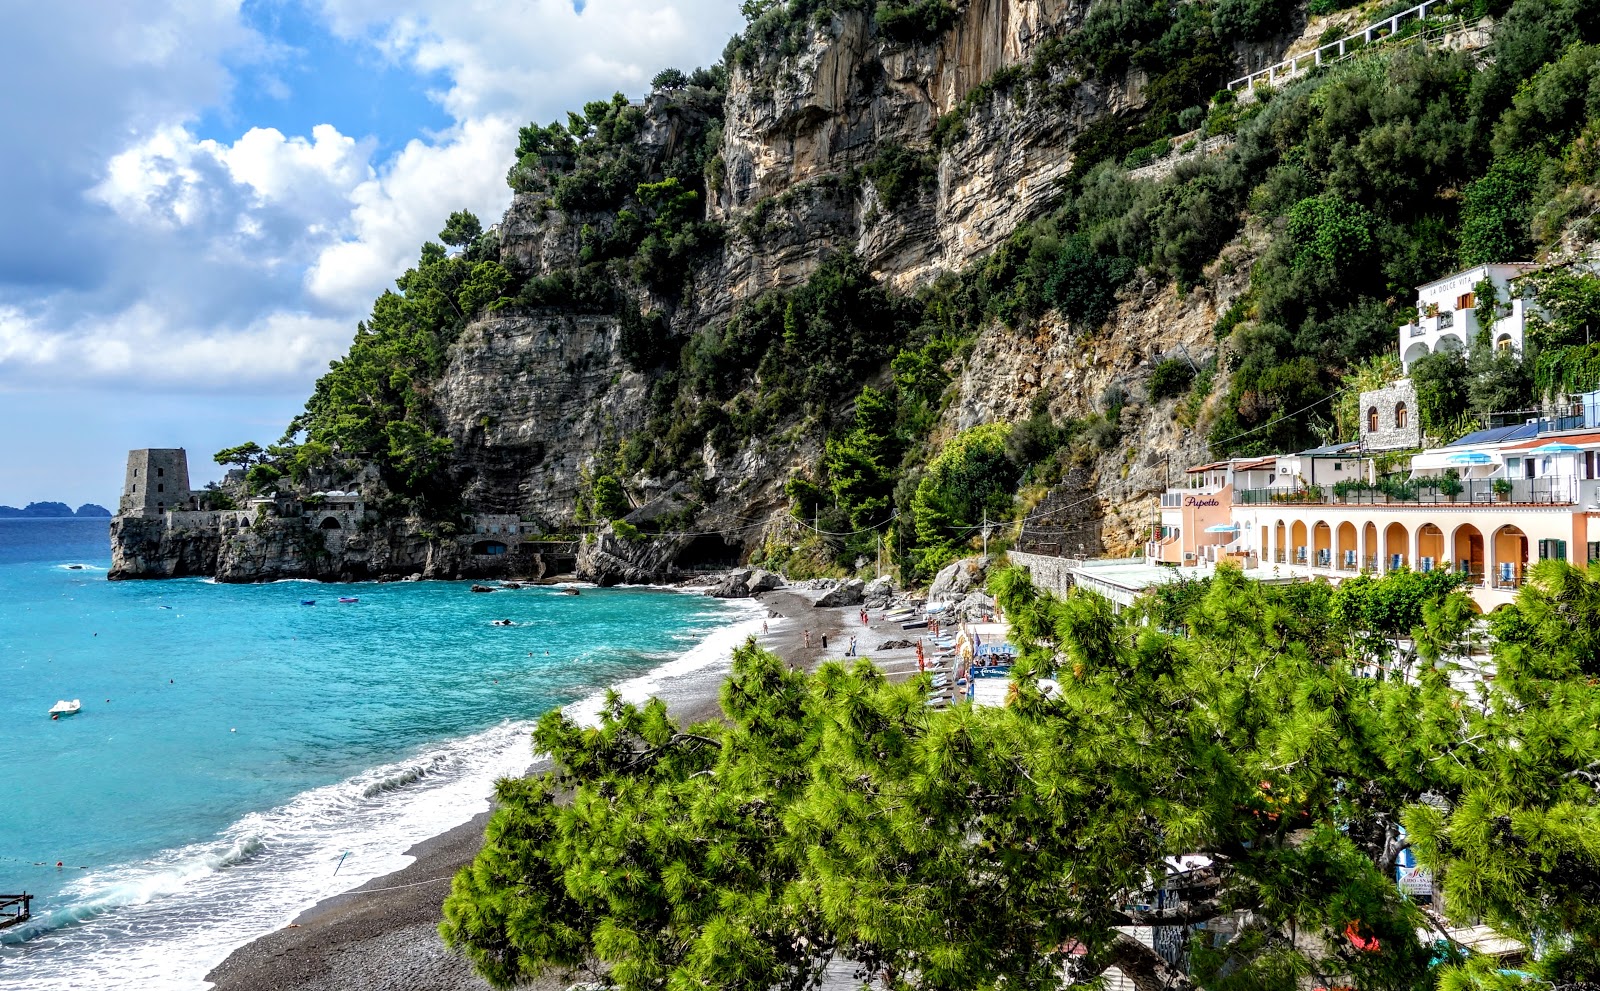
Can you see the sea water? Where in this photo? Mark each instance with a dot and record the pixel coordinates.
(241, 755)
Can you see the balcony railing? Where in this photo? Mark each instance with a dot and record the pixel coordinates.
(1553, 491)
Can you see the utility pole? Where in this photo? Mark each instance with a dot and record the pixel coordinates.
(986, 532)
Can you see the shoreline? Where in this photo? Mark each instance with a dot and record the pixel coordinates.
(383, 934)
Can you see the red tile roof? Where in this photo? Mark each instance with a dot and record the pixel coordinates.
(1577, 440)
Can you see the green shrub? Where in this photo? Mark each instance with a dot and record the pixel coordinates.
(901, 174)
(920, 20)
(1170, 378)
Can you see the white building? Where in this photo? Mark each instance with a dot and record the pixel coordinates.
(1447, 312)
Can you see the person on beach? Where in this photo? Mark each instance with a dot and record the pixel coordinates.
(824, 641)
(763, 627)
(852, 647)
(806, 639)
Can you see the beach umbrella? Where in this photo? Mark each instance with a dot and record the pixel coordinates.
(1556, 448)
(1469, 458)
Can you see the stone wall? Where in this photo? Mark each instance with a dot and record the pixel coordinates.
(1390, 436)
(1053, 574)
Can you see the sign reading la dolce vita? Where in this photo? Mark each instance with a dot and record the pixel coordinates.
(1195, 502)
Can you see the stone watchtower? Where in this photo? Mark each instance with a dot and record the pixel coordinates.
(158, 480)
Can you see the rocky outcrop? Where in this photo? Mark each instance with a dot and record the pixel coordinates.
(273, 549)
(878, 592)
(607, 559)
(145, 548)
(847, 593)
(958, 578)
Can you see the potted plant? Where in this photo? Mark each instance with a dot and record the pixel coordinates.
(1502, 489)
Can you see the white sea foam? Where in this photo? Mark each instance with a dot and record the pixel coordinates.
(715, 648)
(74, 566)
(164, 924)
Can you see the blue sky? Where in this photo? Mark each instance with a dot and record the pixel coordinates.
(203, 198)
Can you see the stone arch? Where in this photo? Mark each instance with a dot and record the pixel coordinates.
(1372, 420)
(1348, 556)
(1369, 546)
(1280, 540)
(1400, 415)
(1415, 353)
(329, 523)
(1504, 342)
(1468, 551)
(1450, 342)
(1397, 547)
(1510, 556)
(1430, 547)
(1300, 543)
(1322, 545)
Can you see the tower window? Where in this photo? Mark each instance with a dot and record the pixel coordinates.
(161, 488)
(161, 473)
(135, 473)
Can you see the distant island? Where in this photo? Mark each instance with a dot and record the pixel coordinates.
(53, 510)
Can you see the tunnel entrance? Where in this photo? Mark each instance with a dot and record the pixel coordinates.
(709, 552)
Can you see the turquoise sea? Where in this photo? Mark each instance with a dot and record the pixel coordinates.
(236, 748)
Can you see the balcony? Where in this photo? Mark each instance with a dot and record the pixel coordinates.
(1557, 490)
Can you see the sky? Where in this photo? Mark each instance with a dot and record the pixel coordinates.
(200, 198)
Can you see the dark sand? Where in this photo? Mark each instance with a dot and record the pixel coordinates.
(385, 936)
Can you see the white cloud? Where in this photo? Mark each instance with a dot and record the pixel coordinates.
(168, 257)
(144, 345)
(539, 58)
(395, 212)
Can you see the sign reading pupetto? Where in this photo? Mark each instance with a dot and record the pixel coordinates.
(1195, 502)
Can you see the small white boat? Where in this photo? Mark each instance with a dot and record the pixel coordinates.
(65, 708)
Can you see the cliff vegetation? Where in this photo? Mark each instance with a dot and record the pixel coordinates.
(781, 290)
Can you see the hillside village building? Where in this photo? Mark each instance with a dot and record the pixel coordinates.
(1489, 505)
(1449, 318)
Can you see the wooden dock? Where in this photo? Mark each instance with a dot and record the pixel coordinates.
(14, 909)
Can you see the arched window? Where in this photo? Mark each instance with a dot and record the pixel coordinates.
(1400, 416)
(1372, 420)
(161, 488)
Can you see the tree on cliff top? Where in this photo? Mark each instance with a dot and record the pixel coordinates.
(836, 815)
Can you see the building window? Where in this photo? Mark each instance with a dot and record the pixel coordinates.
(1400, 416)
(161, 473)
(1372, 420)
(161, 488)
(1467, 301)
(135, 473)
(1552, 550)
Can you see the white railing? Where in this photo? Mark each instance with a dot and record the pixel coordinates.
(1331, 52)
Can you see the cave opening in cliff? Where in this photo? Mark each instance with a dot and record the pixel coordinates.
(488, 547)
(331, 523)
(709, 552)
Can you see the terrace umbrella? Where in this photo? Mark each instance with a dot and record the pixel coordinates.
(1556, 448)
(1222, 528)
(1469, 458)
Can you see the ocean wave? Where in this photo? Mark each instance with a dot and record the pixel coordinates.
(169, 920)
(163, 924)
(715, 648)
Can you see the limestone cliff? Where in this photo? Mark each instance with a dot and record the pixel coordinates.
(532, 396)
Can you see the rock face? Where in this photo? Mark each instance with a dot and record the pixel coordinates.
(878, 592)
(847, 593)
(607, 559)
(275, 549)
(957, 578)
(533, 399)
(145, 548)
